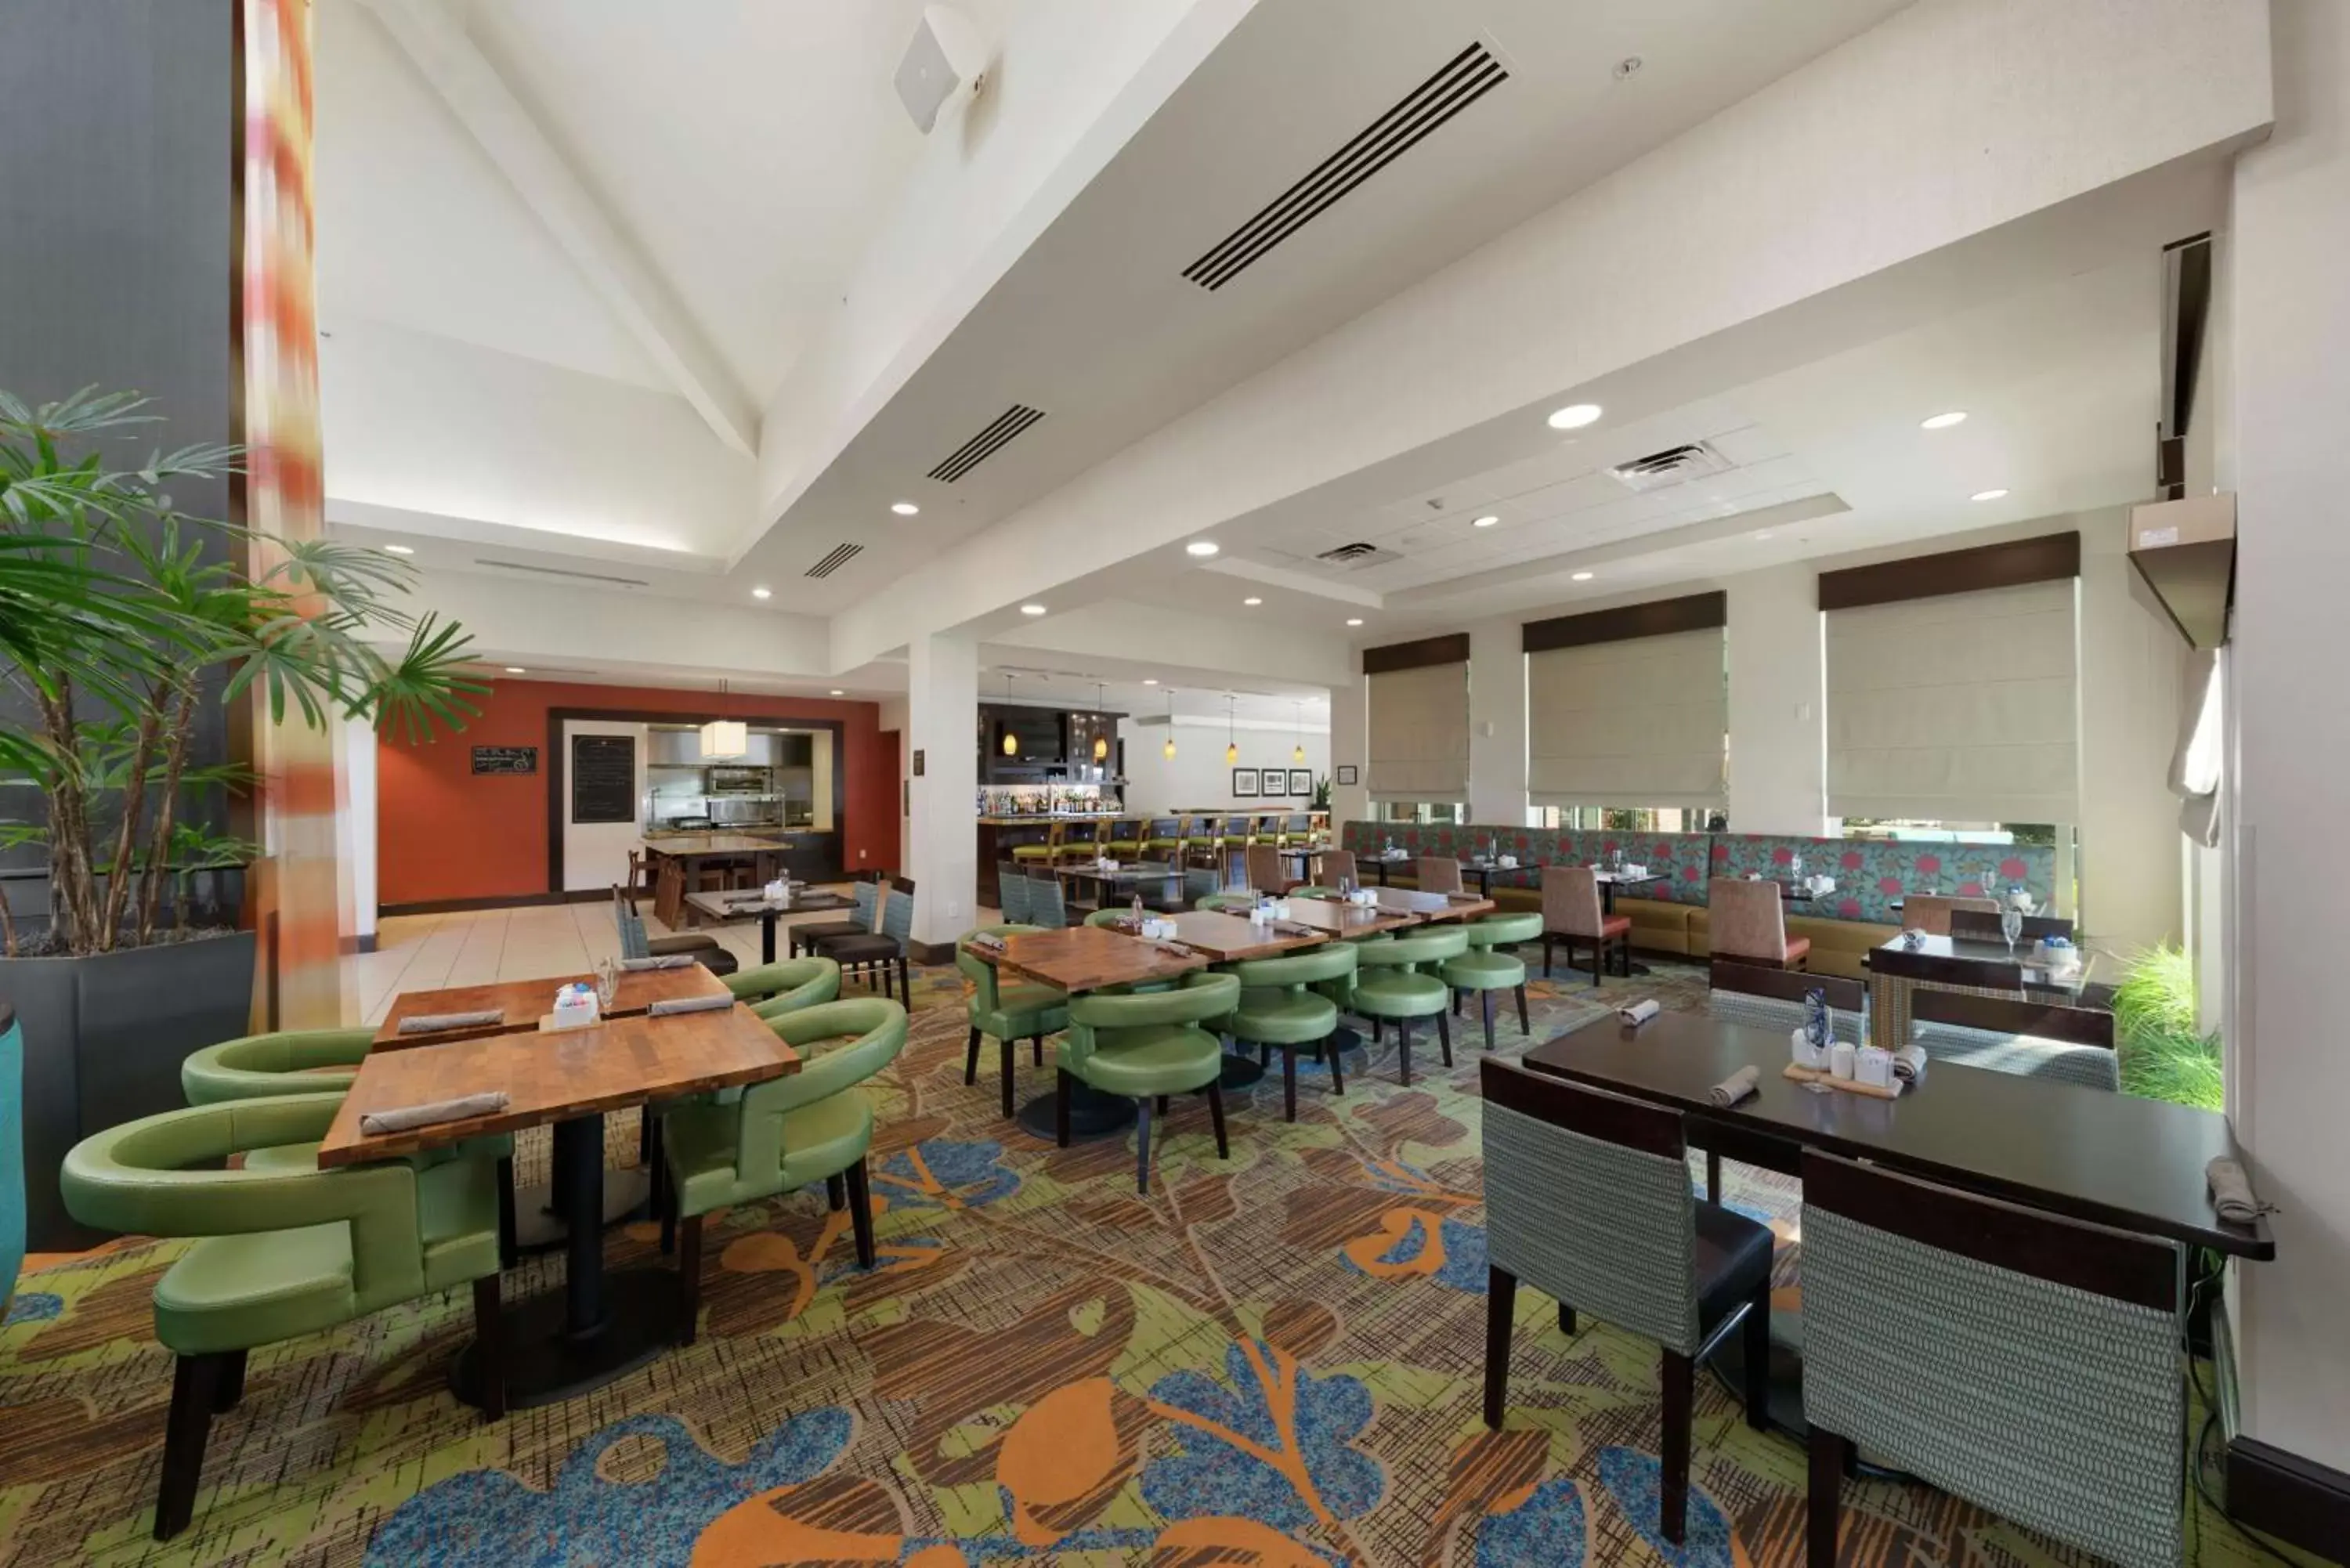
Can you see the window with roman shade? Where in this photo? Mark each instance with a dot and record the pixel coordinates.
(1953, 685)
(1630, 706)
(1418, 719)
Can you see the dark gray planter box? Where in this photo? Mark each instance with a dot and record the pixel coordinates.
(104, 1038)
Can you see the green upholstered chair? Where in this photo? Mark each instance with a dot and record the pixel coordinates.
(289, 1062)
(1044, 852)
(1403, 979)
(282, 1253)
(1486, 968)
(1278, 1007)
(2079, 1439)
(1109, 917)
(1049, 903)
(1012, 894)
(1164, 836)
(1147, 1047)
(786, 986)
(1006, 1010)
(814, 1125)
(1126, 837)
(1229, 903)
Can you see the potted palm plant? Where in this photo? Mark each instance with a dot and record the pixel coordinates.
(124, 626)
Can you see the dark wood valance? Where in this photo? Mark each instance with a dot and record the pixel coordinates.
(2041, 560)
(1428, 650)
(1658, 618)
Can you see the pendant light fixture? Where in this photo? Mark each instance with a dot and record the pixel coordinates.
(726, 737)
(1167, 750)
(1101, 739)
(1232, 741)
(1011, 736)
(1297, 751)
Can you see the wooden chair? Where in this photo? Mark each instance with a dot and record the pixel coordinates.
(883, 951)
(1587, 1199)
(1748, 921)
(1572, 914)
(1335, 868)
(1266, 874)
(1914, 1296)
(1438, 874)
(640, 882)
(1983, 925)
(1930, 912)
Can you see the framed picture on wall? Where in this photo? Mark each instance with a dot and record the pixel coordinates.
(1346, 774)
(1272, 783)
(1301, 781)
(1244, 784)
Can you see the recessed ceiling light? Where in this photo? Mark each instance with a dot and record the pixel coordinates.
(399, 549)
(763, 593)
(1763, 533)
(1252, 603)
(838, 692)
(1987, 495)
(1582, 577)
(904, 508)
(1151, 680)
(1944, 421)
(1032, 609)
(516, 669)
(1355, 620)
(1487, 521)
(1202, 548)
(1574, 416)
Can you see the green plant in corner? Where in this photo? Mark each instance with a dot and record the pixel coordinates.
(1322, 792)
(117, 619)
(2164, 1054)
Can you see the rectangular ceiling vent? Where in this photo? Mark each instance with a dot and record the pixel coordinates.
(1466, 78)
(1359, 555)
(1674, 465)
(610, 582)
(834, 559)
(987, 442)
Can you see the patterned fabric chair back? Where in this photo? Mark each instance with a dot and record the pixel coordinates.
(1167, 827)
(1012, 895)
(898, 909)
(631, 926)
(1438, 874)
(1747, 920)
(1337, 866)
(867, 912)
(1587, 1199)
(1914, 1296)
(1046, 907)
(1930, 912)
(669, 893)
(1774, 999)
(1201, 882)
(1265, 872)
(1570, 900)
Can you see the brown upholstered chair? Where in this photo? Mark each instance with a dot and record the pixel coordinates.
(1266, 873)
(1930, 912)
(1571, 914)
(1438, 874)
(1334, 866)
(1748, 922)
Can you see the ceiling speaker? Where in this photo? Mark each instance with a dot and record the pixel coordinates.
(945, 64)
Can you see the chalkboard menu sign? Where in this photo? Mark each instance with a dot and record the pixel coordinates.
(603, 778)
(505, 759)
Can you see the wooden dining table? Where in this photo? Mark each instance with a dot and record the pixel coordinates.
(1974, 964)
(521, 1003)
(599, 1326)
(740, 904)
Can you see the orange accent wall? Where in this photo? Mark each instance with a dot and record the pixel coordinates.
(443, 833)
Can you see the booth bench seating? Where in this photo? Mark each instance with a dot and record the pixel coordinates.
(1670, 916)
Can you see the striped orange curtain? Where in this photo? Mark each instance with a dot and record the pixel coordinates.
(301, 904)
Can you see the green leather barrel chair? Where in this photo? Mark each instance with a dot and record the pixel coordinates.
(786, 986)
(1006, 1010)
(289, 1062)
(812, 1126)
(1403, 979)
(1229, 903)
(1109, 917)
(1147, 1045)
(1279, 1007)
(280, 1253)
(1487, 968)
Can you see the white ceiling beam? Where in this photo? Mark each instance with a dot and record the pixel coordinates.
(487, 108)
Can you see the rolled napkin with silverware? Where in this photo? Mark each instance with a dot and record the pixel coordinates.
(1910, 1064)
(2231, 1191)
(1639, 1012)
(1736, 1088)
(464, 1108)
(988, 940)
(435, 1023)
(665, 960)
(678, 1004)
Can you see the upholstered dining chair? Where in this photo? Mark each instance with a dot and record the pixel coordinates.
(1438, 874)
(1776, 999)
(279, 1252)
(1148, 1045)
(706, 950)
(1229, 903)
(1012, 894)
(1279, 1007)
(1488, 967)
(1572, 914)
(786, 985)
(1335, 868)
(1402, 979)
(881, 953)
(1913, 1293)
(2032, 1039)
(1164, 838)
(1045, 851)
(1266, 872)
(1748, 921)
(812, 1126)
(1930, 912)
(286, 1061)
(865, 917)
(1201, 883)
(1006, 1010)
(1049, 903)
(1127, 836)
(1587, 1199)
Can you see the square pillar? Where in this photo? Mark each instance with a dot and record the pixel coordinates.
(942, 748)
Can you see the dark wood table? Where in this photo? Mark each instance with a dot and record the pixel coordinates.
(1344, 920)
(692, 849)
(1433, 907)
(521, 1003)
(1234, 939)
(1130, 876)
(600, 1327)
(738, 905)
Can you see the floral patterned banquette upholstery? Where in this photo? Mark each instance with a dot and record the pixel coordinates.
(1669, 916)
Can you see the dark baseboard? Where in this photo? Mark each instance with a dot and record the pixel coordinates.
(365, 943)
(503, 900)
(2295, 1500)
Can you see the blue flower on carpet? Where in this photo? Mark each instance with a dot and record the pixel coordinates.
(486, 1517)
(1632, 1478)
(1547, 1530)
(34, 1306)
(947, 1173)
(1457, 1261)
(1258, 1447)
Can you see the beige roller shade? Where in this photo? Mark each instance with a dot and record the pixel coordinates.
(1420, 733)
(1962, 708)
(1634, 723)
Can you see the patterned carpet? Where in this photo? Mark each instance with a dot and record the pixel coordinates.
(1272, 1360)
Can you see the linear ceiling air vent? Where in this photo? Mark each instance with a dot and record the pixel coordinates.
(1359, 555)
(987, 442)
(834, 559)
(611, 582)
(1674, 465)
(1466, 78)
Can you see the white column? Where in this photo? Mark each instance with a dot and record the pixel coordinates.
(1778, 716)
(1497, 724)
(355, 828)
(1350, 735)
(2131, 655)
(941, 712)
(2291, 855)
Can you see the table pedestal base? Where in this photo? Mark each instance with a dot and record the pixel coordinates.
(1784, 1410)
(546, 1361)
(540, 1225)
(1091, 1115)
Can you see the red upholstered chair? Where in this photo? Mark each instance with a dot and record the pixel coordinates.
(1748, 923)
(1571, 914)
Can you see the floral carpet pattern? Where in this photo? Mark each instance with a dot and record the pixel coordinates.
(1274, 1360)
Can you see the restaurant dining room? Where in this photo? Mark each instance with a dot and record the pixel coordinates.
(1199, 782)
